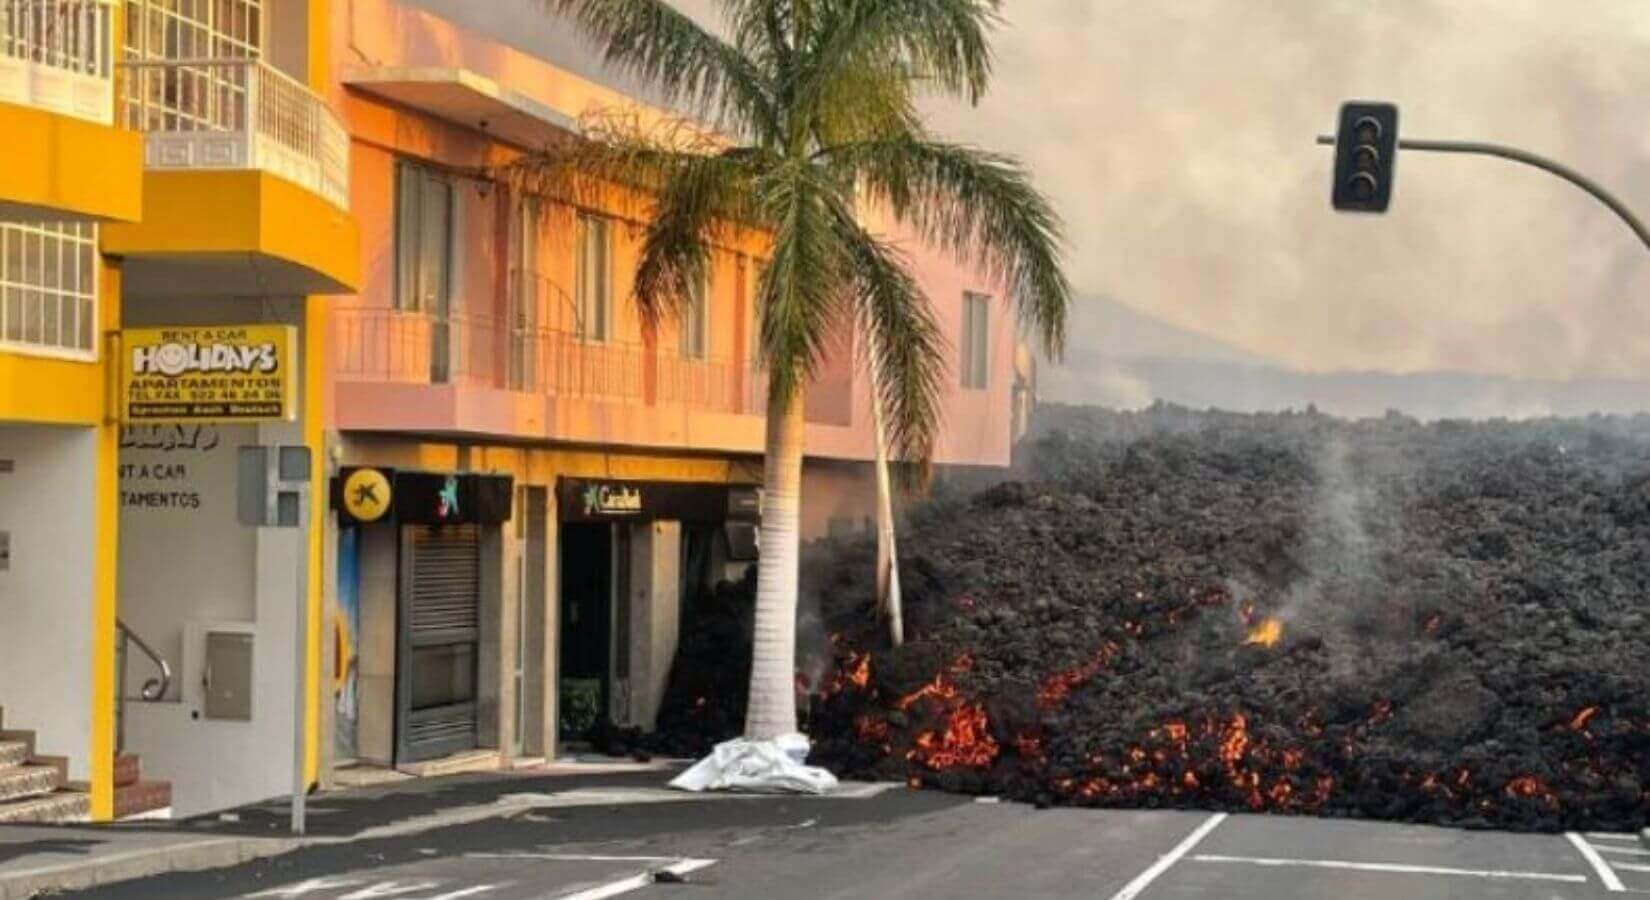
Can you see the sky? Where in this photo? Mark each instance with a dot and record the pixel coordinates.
(1176, 139)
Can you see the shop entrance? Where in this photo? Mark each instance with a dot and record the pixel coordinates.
(586, 552)
(439, 649)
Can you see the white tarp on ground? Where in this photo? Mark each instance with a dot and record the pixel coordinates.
(772, 767)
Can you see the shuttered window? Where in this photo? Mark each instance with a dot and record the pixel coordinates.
(976, 333)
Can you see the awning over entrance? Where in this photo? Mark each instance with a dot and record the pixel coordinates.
(467, 98)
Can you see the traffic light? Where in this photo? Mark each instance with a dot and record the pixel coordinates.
(1366, 149)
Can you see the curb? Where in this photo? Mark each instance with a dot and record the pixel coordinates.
(211, 853)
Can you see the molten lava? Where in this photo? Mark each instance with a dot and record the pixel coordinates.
(966, 741)
(1580, 720)
(1266, 634)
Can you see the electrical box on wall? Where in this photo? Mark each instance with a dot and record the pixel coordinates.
(227, 680)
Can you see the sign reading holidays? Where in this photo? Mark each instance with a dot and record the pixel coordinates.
(233, 373)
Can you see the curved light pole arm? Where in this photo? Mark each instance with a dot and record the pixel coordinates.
(1529, 159)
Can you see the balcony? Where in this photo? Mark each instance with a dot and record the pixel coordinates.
(247, 184)
(66, 160)
(237, 114)
(410, 371)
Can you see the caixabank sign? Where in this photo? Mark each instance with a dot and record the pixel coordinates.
(231, 373)
(365, 494)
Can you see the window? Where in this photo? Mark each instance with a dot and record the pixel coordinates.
(48, 287)
(594, 278)
(975, 340)
(524, 293)
(696, 320)
(424, 257)
(423, 240)
(753, 311)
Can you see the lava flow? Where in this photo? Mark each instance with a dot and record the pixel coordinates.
(1266, 634)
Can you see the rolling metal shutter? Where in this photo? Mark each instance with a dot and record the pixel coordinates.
(441, 629)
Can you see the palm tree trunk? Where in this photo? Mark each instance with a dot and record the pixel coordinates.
(888, 596)
(772, 708)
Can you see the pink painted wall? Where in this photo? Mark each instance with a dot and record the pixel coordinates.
(381, 359)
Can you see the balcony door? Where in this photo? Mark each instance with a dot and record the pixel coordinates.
(525, 295)
(423, 258)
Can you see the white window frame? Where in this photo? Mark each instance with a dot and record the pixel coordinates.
(976, 341)
(66, 271)
(586, 295)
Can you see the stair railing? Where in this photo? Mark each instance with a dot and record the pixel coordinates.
(154, 689)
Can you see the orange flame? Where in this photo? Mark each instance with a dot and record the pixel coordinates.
(1266, 634)
(1580, 720)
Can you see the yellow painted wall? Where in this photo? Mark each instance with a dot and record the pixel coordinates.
(55, 162)
(213, 212)
(106, 602)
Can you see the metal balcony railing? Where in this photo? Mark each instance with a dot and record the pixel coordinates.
(58, 55)
(237, 114)
(381, 345)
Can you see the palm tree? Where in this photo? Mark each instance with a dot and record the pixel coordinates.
(811, 108)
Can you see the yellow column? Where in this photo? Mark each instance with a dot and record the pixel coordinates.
(315, 397)
(106, 525)
(316, 373)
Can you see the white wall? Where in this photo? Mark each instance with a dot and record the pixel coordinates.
(47, 503)
(198, 565)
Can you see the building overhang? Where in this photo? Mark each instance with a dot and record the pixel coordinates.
(60, 167)
(467, 98)
(235, 233)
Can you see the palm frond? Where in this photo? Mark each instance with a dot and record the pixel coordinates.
(802, 290)
(654, 42)
(905, 344)
(979, 206)
(940, 44)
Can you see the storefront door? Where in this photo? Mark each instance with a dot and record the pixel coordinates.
(440, 630)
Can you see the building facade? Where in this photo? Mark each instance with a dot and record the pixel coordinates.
(181, 170)
(486, 497)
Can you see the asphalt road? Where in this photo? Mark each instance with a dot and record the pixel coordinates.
(926, 845)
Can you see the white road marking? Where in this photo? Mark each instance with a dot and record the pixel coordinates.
(310, 886)
(1631, 867)
(390, 889)
(1145, 879)
(1611, 836)
(1630, 851)
(571, 857)
(636, 882)
(1605, 873)
(1391, 867)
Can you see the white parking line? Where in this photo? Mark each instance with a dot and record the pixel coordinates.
(1392, 867)
(1630, 851)
(1144, 879)
(1631, 867)
(636, 882)
(1611, 836)
(1605, 873)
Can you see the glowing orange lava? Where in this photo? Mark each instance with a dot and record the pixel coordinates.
(1266, 634)
(1580, 720)
(966, 741)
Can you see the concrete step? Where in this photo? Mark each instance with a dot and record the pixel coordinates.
(128, 770)
(13, 754)
(58, 807)
(141, 798)
(29, 781)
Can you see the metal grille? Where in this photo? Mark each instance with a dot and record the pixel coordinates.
(48, 287)
(446, 575)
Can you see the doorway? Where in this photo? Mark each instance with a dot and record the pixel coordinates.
(439, 649)
(586, 552)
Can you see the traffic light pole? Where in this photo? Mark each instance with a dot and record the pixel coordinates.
(1529, 159)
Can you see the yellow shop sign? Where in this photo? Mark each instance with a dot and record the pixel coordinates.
(226, 373)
